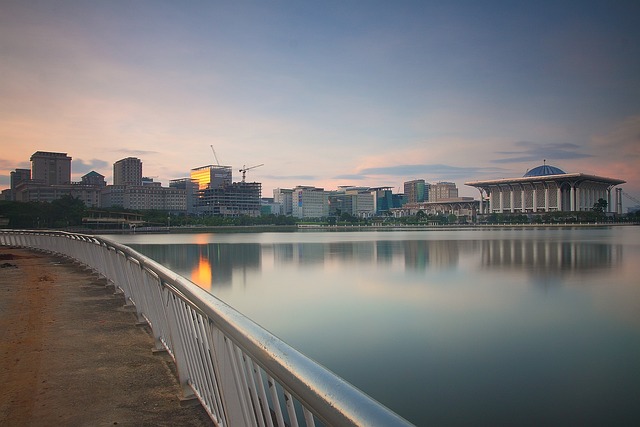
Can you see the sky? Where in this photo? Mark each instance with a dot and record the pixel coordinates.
(324, 93)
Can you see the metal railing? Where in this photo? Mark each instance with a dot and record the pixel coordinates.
(241, 374)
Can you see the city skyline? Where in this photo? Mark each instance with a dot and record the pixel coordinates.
(329, 94)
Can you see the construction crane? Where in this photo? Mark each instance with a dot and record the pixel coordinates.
(214, 155)
(245, 169)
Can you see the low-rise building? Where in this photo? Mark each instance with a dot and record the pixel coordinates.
(145, 197)
(355, 201)
(547, 188)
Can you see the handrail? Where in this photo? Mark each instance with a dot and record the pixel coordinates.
(242, 374)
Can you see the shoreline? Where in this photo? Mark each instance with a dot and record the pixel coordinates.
(340, 228)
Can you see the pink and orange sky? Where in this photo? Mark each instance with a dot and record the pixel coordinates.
(324, 93)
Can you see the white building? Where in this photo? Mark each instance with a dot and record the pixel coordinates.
(547, 189)
(283, 197)
(309, 202)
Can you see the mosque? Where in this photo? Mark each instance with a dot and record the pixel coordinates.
(547, 188)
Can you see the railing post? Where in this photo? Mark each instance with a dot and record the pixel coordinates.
(178, 344)
(233, 396)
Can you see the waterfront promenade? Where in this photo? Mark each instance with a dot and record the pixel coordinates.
(71, 354)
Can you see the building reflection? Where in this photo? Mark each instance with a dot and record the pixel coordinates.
(548, 258)
(207, 265)
(201, 275)
(214, 264)
(433, 254)
(414, 254)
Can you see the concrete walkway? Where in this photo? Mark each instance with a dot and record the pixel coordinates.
(71, 355)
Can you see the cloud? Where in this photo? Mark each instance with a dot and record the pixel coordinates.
(434, 170)
(622, 141)
(350, 176)
(291, 177)
(5, 180)
(11, 165)
(618, 153)
(79, 166)
(537, 152)
(135, 152)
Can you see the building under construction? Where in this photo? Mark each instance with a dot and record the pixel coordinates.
(216, 194)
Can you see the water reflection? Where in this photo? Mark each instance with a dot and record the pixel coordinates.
(206, 264)
(444, 327)
(544, 259)
(214, 264)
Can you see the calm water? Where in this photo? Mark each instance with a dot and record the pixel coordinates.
(461, 327)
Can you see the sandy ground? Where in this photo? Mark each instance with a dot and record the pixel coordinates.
(71, 355)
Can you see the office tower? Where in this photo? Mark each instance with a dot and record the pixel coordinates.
(310, 202)
(283, 197)
(211, 177)
(18, 176)
(51, 168)
(127, 171)
(442, 191)
(414, 191)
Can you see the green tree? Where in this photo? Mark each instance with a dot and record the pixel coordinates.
(67, 211)
(600, 206)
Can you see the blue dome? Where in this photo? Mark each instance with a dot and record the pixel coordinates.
(544, 170)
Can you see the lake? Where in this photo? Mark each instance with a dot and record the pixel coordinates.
(518, 326)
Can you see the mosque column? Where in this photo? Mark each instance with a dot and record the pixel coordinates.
(546, 198)
(491, 195)
(511, 200)
(559, 199)
(523, 203)
(587, 198)
(480, 206)
(501, 207)
(572, 198)
(609, 199)
(534, 192)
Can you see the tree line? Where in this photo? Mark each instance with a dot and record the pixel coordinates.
(68, 212)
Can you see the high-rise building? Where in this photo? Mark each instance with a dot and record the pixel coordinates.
(190, 189)
(217, 194)
(382, 199)
(442, 191)
(212, 177)
(127, 171)
(18, 176)
(283, 197)
(415, 191)
(51, 168)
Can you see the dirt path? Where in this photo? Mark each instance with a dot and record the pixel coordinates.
(71, 355)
